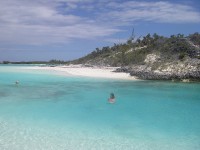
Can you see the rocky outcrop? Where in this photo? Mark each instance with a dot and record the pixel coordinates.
(180, 70)
(123, 69)
(152, 58)
(155, 69)
(150, 75)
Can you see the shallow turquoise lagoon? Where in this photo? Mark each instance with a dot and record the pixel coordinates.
(51, 111)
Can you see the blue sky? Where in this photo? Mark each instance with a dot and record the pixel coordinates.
(67, 29)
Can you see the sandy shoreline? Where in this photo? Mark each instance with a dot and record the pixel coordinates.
(76, 70)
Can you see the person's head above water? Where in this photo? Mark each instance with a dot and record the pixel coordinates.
(112, 95)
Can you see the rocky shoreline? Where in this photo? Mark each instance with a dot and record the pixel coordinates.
(188, 70)
(149, 75)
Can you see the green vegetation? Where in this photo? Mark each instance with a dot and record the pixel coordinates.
(182, 56)
(6, 62)
(176, 47)
(51, 62)
(195, 38)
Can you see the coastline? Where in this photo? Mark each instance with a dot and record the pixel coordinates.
(94, 72)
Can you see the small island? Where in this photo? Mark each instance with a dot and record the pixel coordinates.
(152, 57)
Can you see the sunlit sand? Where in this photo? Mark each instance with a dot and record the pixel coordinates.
(77, 70)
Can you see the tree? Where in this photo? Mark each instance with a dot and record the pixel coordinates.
(6, 62)
(195, 38)
(155, 37)
(180, 35)
(97, 50)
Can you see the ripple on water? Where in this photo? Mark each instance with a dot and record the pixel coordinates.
(18, 136)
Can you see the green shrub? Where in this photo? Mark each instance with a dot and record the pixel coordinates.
(182, 56)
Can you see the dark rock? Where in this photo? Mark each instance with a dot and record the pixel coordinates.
(189, 69)
(122, 69)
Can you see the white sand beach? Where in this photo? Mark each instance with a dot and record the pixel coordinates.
(78, 70)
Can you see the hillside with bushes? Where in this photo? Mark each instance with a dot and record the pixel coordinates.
(151, 57)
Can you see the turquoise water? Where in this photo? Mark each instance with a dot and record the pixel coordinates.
(53, 111)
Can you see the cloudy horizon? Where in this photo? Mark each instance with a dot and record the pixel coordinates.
(68, 29)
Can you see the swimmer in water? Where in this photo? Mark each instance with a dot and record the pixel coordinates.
(17, 82)
(112, 98)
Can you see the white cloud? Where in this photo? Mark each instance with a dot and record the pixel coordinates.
(60, 21)
(163, 12)
(35, 23)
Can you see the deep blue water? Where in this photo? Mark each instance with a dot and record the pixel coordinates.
(51, 111)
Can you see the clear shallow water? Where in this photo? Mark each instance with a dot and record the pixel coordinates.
(51, 111)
